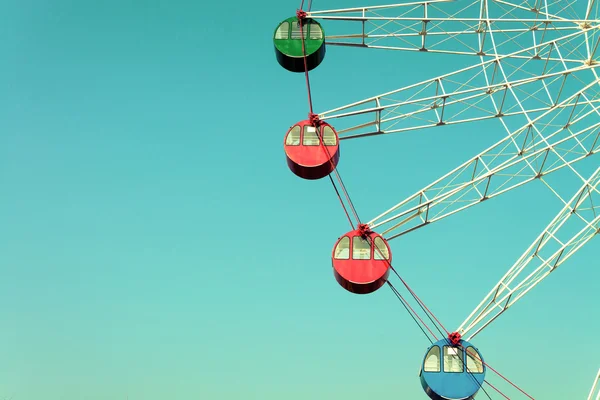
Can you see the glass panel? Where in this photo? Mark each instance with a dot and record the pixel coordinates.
(315, 31)
(293, 138)
(310, 136)
(283, 31)
(432, 360)
(453, 359)
(381, 250)
(342, 250)
(474, 363)
(328, 136)
(360, 249)
(296, 30)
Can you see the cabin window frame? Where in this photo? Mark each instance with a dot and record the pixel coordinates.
(289, 31)
(370, 249)
(305, 129)
(375, 247)
(467, 356)
(349, 248)
(461, 359)
(305, 32)
(322, 138)
(310, 25)
(299, 136)
(439, 362)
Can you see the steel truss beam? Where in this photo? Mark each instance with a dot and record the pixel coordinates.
(552, 141)
(576, 224)
(491, 89)
(438, 26)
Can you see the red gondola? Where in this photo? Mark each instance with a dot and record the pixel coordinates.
(307, 155)
(361, 260)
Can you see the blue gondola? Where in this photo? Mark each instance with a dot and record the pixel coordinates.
(443, 373)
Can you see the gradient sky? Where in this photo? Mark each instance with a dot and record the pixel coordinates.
(153, 243)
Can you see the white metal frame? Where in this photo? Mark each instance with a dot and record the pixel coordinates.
(510, 163)
(543, 257)
(595, 391)
(537, 73)
(431, 26)
(545, 92)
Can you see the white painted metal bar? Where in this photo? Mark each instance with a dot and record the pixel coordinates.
(314, 14)
(595, 391)
(438, 19)
(464, 95)
(509, 172)
(448, 75)
(450, 119)
(542, 257)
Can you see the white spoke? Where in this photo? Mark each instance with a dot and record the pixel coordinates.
(553, 140)
(491, 89)
(449, 27)
(576, 224)
(595, 392)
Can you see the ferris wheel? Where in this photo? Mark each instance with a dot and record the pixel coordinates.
(535, 69)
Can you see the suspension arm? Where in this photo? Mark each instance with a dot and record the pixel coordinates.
(482, 91)
(552, 141)
(436, 27)
(576, 224)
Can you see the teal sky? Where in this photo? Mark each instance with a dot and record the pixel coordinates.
(154, 244)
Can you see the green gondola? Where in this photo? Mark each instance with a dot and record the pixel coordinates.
(288, 44)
